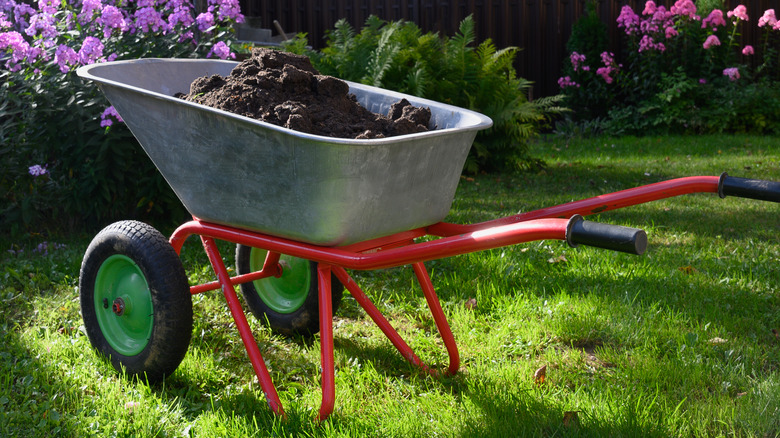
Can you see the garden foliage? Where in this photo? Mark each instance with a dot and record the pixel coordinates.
(398, 56)
(64, 162)
(685, 70)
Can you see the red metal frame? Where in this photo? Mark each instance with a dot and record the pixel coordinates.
(399, 249)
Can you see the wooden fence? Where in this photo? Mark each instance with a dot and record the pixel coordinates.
(540, 28)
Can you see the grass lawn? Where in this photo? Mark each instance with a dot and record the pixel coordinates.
(681, 341)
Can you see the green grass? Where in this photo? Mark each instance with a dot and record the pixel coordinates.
(676, 342)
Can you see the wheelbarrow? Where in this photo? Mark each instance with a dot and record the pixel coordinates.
(302, 210)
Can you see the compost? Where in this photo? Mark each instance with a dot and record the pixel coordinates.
(286, 90)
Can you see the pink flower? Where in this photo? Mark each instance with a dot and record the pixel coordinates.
(768, 19)
(111, 18)
(714, 20)
(65, 57)
(221, 50)
(647, 43)
(609, 67)
(567, 82)
(106, 118)
(711, 40)
(732, 73)
(18, 47)
(88, 7)
(649, 8)
(3, 22)
(228, 9)
(150, 19)
(670, 32)
(577, 60)
(748, 50)
(702, 81)
(605, 72)
(628, 20)
(685, 8)
(91, 50)
(205, 21)
(740, 12)
(38, 170)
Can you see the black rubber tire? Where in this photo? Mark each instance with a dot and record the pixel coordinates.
(168, 295)
(303, 321)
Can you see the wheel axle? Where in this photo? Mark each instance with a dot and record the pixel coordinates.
(119, 306)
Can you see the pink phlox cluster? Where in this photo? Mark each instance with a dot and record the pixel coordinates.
(112, 18)
(566, 82)
(88, 9)
(42, 25)
(578, 61)
(608, 59)
(650, 8)
(748, 50)
(769, 19)
(221, 50)
(628, 20)
(740, 12)
(38, 170)
(685, 8)
(47, 6)
(714, 20)
(148, 18)
(66, 58)
(711, 41)
(732, 73)
(91, 51)
(108, 116)
(14, 42)
(205, 21)
(648, 43)
(182, 14)
(4, 23)
(226, 9)
(22, 11)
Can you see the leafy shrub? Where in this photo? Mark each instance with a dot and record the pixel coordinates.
(398, 56)
(681, 74)
(63, 163)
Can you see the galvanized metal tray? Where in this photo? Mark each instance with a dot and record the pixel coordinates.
(244, 173)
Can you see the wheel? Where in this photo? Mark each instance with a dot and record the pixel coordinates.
(135, 300)
(288, 304)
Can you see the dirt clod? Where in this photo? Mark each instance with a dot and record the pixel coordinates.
(286, 90)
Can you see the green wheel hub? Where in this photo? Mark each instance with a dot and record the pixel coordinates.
(123, 304)
(287, 293)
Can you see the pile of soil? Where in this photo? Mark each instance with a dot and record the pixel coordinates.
(286, 90)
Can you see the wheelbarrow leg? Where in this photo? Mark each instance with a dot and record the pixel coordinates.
(392, 334)
(326, 342)
(438, 316)
(379, 319)
(253, 351)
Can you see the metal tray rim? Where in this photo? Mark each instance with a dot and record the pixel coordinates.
(480, 121)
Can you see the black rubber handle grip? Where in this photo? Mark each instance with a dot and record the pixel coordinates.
(614, 237)
(749, 188)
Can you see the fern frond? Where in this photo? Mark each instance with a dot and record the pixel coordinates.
(417, 81)
(383, 56)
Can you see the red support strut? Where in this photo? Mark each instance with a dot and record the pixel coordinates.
(252, 350)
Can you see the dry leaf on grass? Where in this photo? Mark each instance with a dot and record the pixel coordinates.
(540, 375)
(687, 269)
(559, 259)
(471, 304)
